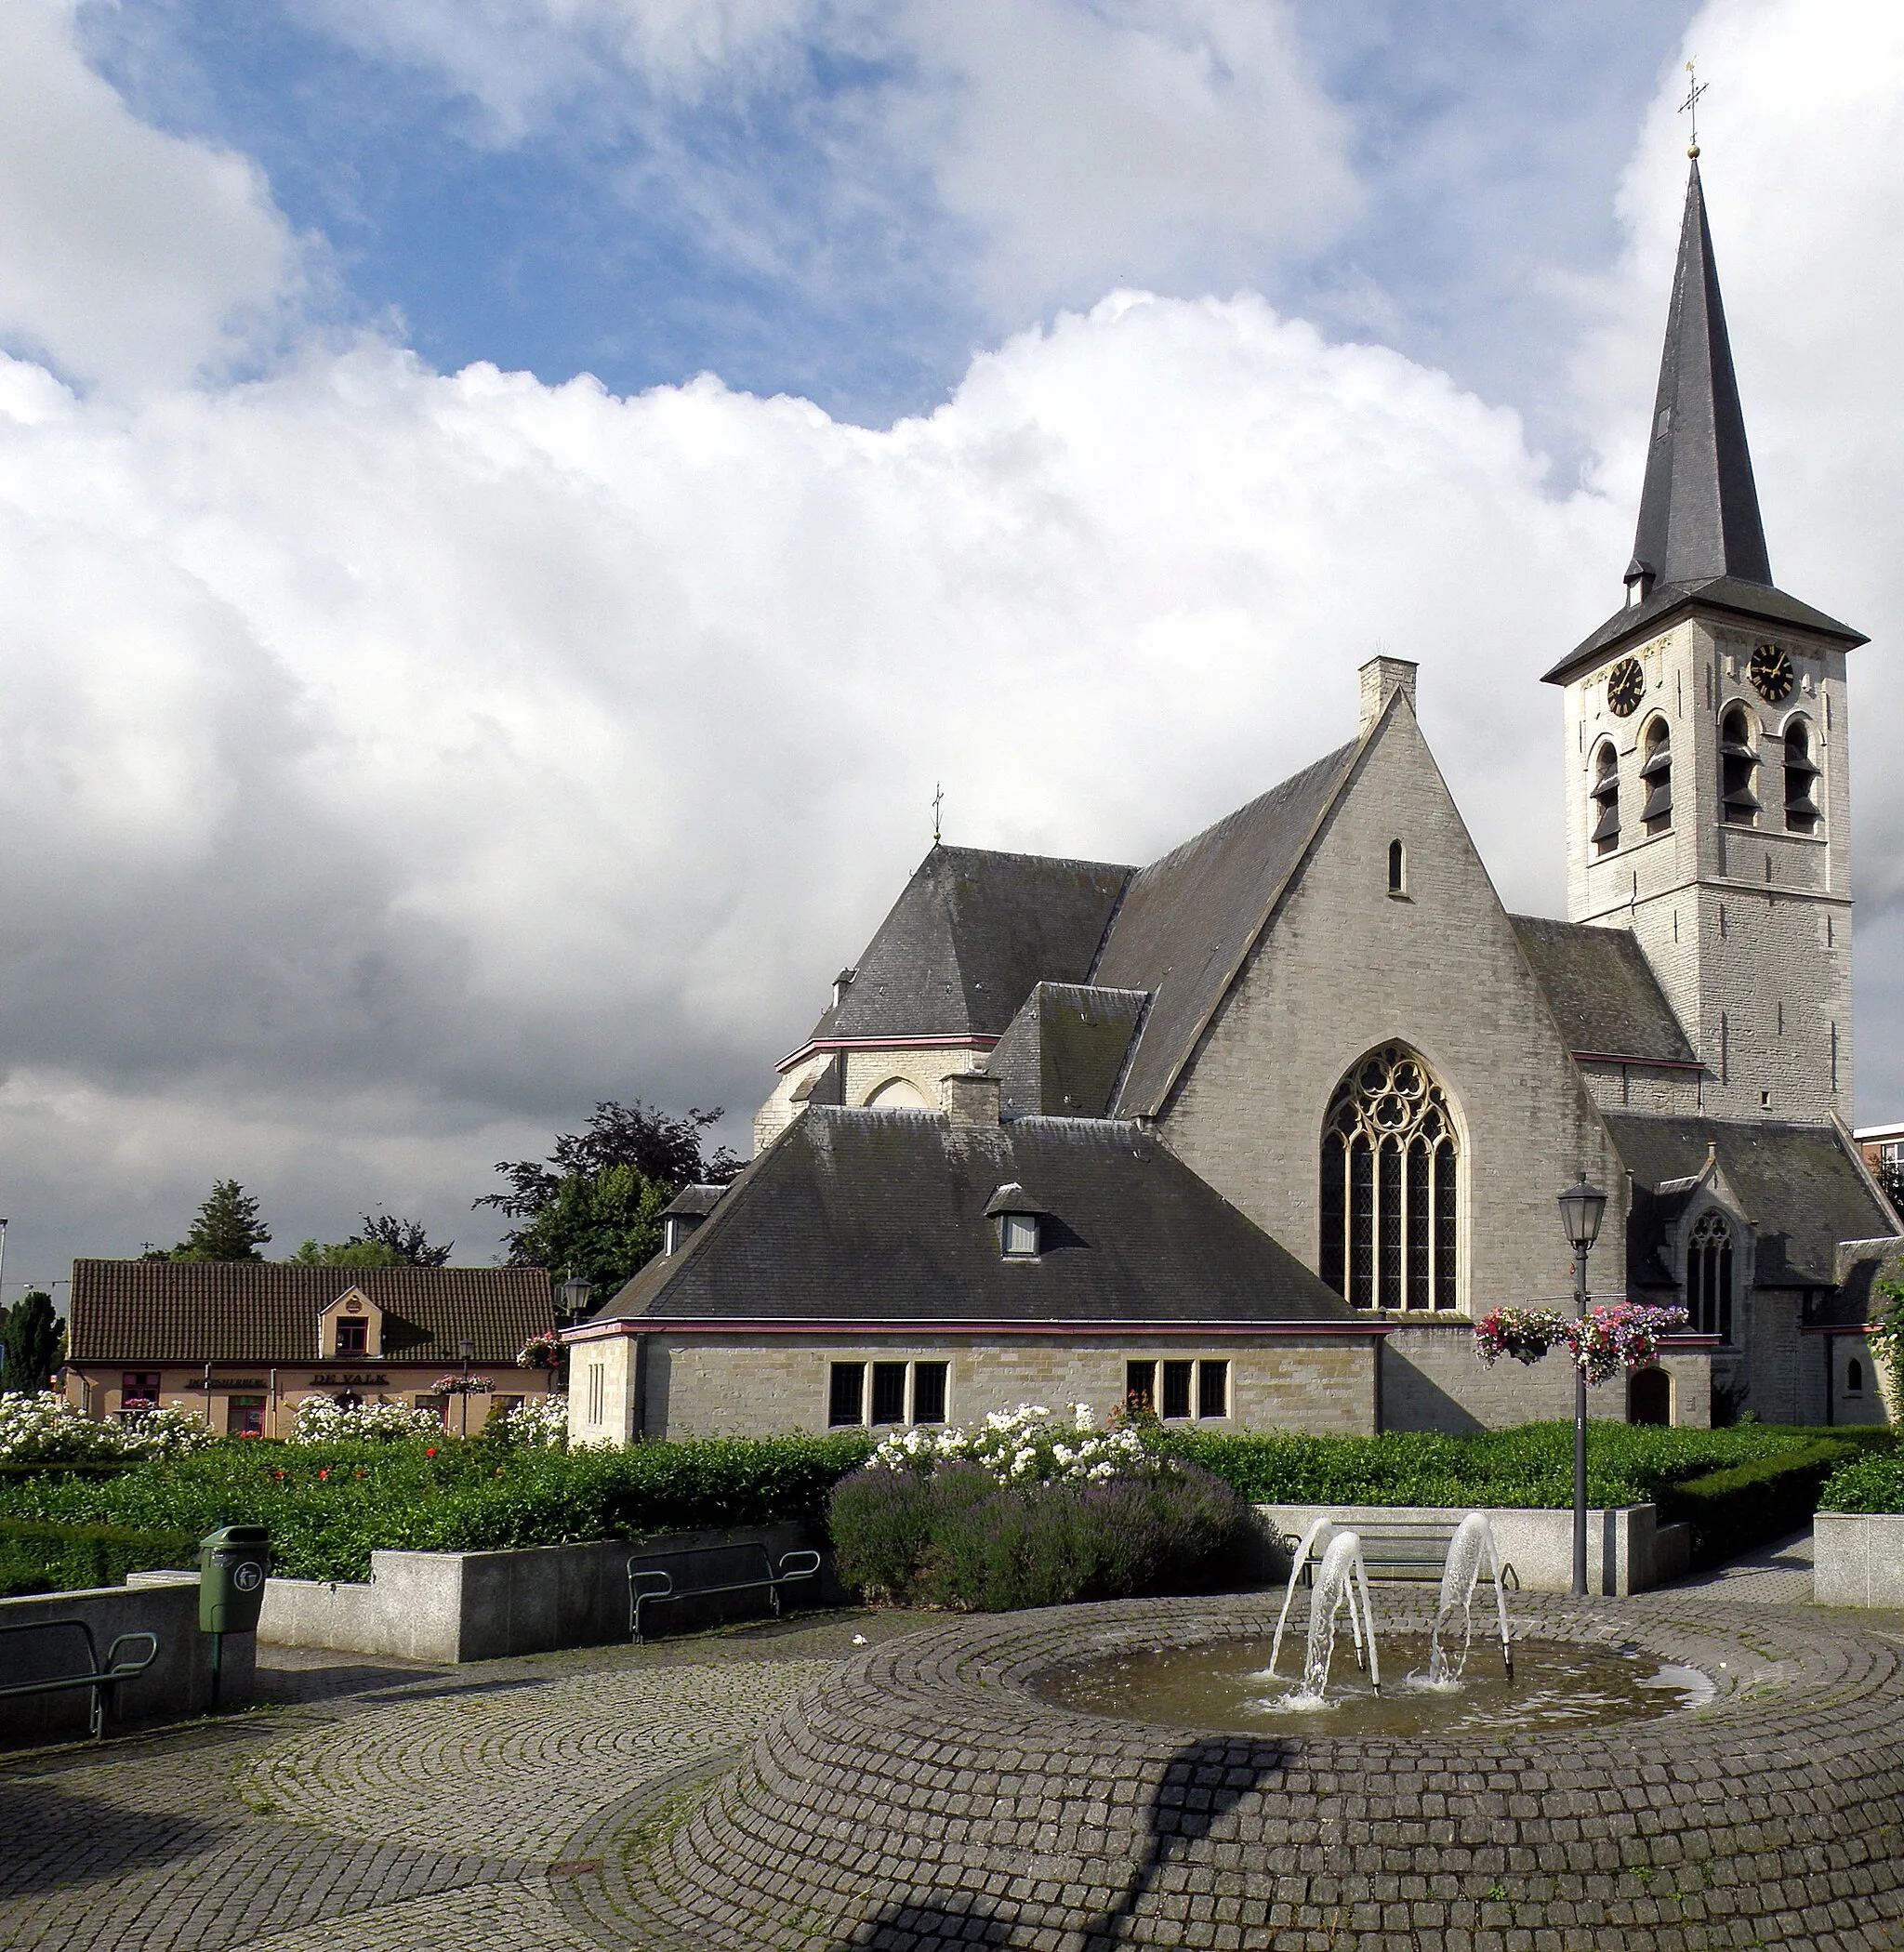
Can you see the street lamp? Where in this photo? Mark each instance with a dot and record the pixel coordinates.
(467, 1350)
(574, 1298)
(1581, 1209)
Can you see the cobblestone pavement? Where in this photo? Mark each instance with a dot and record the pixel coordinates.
(1776, 1575)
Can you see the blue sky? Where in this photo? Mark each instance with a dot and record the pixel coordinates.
(408, 741)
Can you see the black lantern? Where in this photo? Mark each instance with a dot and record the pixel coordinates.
(1581, 1209)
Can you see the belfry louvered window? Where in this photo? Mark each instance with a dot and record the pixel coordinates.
(1389, 1164)
(1709, 1278)
(1738, 758)
(1656, 777)
(1602, 802)
(1801, 780)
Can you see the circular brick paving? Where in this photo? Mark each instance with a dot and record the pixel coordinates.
(922, 1796)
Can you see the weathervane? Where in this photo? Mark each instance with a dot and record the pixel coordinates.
(1695, 87)
(938, 801)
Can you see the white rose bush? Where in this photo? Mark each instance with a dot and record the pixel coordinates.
(43, 1427)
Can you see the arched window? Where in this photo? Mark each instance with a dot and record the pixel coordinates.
(1656, 777)
(1649, 1397)
(1389, 1161)
(898, 1094)
(1801, 780)
(1738, 758)
(1709, 1278)
(1603, 801)
(1397, 868)
(1854, 1378)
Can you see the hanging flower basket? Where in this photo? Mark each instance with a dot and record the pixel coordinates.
(1526, 1334)
(540, 1352)
(461, 1386)
(1623, 1337)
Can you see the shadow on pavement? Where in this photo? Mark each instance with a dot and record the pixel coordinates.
(55, 1840)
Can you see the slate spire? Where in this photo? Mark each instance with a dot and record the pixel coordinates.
(1700, 509)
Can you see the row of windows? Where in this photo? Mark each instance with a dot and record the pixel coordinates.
(1739, 771)
(909, 1392)
(1199, 1389)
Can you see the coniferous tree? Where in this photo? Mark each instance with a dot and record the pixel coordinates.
(227, 1227)
(32, 1342)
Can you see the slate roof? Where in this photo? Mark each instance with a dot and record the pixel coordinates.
(1187, 921)
(265, 1311)
(1603, 990)
(1065, 1049)
(694, 1200)
(1699, 538)
(1799, 1185)
(968, 938)
(878, 1216)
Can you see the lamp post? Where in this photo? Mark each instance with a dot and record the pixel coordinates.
(1581, 1209)
(467, 1350)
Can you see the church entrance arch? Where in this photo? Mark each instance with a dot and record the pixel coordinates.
(1649, 1397)
(1389, 1211)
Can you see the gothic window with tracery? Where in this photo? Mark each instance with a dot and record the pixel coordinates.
(1389, 1210)
(1709, 1278)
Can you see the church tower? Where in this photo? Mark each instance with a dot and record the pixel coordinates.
(1707, 756)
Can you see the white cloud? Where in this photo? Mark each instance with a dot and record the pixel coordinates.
(127, 256)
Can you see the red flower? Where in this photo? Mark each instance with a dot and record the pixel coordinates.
(324, 1472)
(277, 1473)
(430, 1451)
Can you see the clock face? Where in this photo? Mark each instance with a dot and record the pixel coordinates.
(1626, 685)
(1771, 672)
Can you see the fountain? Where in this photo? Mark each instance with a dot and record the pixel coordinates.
(1341, 1580)
(1461, 1572)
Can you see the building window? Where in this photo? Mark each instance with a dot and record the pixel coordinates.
(247, 1416)
(1018, 1235)
(888, 1392)
(1199, 1387)
(846, 1394)
(139, 1389)
(1854, 1378)
(1649, 1397)
(1801, 780)
(1212, 1389)
(1656, 777)
(1603, 800)
(598, 1391)
(1176, 1395)
(1738, 758)
(929, 1393)
(353, 1336)
(1389, 1162)
(1709, 1278)
(897, 1094)
(1139, 1385)
(1398, 870)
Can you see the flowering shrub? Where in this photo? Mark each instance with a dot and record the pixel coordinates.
(319, 1421)
(1625, 1336)
(1526, 1334)
(537, 1423)
(1028, 1446)
(167, 1432)
(540, 1352)
(46, 1429)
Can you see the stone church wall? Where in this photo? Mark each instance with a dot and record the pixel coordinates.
(1347, 968)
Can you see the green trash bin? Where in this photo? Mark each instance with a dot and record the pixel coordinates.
(233, 1562)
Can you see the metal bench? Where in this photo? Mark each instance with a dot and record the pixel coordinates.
(1397, 1549)
(748, 1568)
(68, 1656)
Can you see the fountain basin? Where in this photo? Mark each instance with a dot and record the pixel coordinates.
(927, 1794)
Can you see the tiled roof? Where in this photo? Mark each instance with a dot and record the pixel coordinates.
(876, 1215)
(1187, 921)
(1800, 1186)
(968, 938)
(1602, 990)
(266, 1311)
(1066, 1051)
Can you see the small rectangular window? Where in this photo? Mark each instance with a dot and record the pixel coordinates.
(929, 1393)
(1177, 1388)
(1212, 1389)
(598, 1391)
(247, 1416)
(353, 1338)
(1139, 1385)
(847, 1396)
(888, 1392)
(140, 1386)
(1018, 1235)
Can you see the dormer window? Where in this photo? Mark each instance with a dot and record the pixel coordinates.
(350, 1327)
(1018, 1218)
(353, 1336)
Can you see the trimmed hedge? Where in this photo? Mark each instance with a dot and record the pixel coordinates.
(1730, 1511)
(41, 1557)
(1872, 1483)
(957, 1537)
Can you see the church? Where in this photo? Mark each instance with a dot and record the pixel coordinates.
(1259, 1130)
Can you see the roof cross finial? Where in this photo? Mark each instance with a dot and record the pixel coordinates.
(938, 803)
(1695, 87)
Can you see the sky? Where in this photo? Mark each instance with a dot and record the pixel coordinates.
(509, 509)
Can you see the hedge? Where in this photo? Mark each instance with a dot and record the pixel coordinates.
(1732, 1511)
(1872, 1483)
(45, 1557)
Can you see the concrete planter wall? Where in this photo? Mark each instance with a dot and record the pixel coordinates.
(178, 1683)
(1628, 1549)
(1857, 1559)
(460, 1606)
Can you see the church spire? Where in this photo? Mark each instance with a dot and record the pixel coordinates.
(1700, 509)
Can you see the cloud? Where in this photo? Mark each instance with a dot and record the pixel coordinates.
(127, 256)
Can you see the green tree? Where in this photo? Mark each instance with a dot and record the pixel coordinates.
(32, 1342)
(227, 1227)
(604, 1226)
(343, 1254)
(384, 1241)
